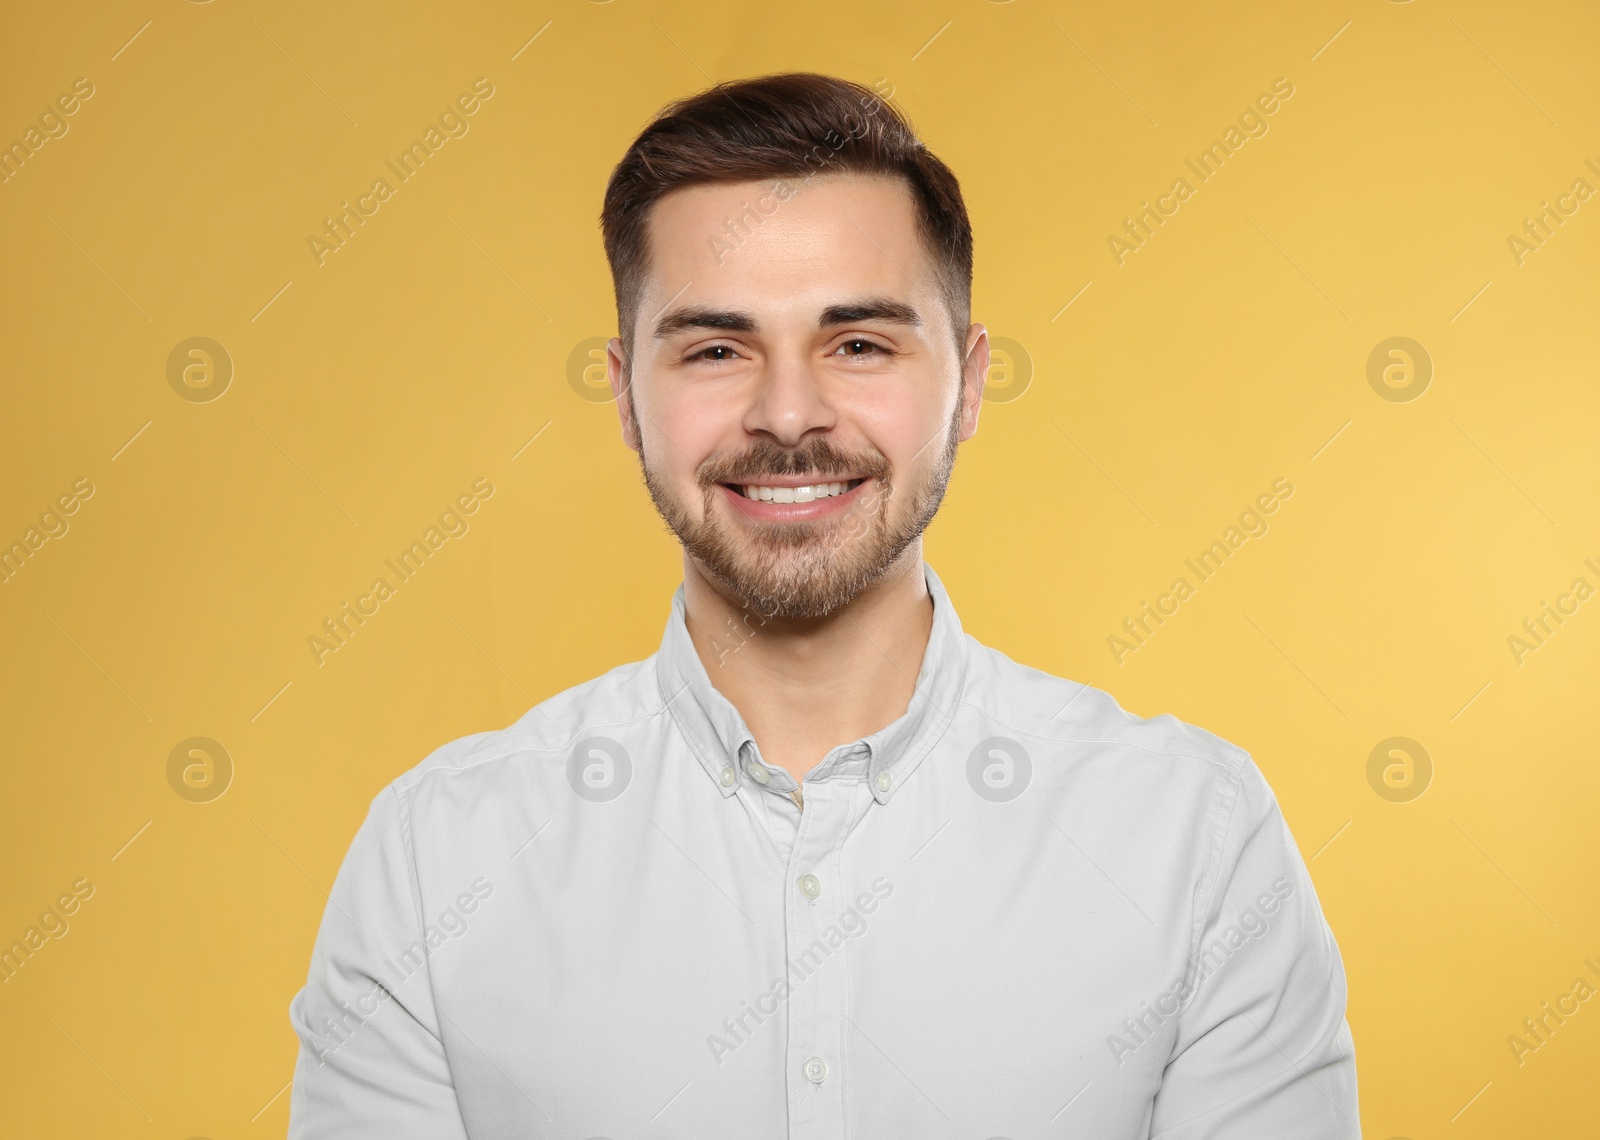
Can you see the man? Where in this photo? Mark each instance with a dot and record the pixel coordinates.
(823, 865)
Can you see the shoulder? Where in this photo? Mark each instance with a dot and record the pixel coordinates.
(1141, 774)
(482, 763)
(1048, 708)
(1165, 806)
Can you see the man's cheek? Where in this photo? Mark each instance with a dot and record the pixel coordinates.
(691, 430)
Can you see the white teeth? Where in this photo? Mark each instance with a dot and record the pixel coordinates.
(804, 494)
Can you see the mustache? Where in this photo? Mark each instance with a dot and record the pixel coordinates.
(819, 457)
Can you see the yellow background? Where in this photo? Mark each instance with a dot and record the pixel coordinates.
(375, 388)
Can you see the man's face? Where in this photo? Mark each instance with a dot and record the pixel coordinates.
(795, 395)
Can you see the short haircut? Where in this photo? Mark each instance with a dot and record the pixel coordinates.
(783, 126)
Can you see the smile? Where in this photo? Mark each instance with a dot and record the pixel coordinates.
(806, 493)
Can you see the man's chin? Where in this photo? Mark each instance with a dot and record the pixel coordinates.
(804, 581)
(799, 569)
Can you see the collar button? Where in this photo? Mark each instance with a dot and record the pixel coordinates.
(728, 777)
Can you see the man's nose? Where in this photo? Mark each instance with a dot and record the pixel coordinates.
(790, 403)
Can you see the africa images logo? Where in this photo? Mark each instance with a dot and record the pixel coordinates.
(599, 769)
(999, 769)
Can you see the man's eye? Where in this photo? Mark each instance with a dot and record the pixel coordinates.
(854, 343)
(701, 355)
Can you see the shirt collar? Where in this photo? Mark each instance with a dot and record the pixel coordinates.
(717, 734)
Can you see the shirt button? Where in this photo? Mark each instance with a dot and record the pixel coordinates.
(883, 781)
(758, 772)
(811, 887)
(816, 1070)
(728, 777)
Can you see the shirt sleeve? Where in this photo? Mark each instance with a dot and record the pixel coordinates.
(1262, 1046)
(371, 1060)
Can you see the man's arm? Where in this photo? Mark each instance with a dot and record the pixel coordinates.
(371, 1061)
(1263, 1049)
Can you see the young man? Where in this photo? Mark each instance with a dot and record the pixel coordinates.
(823, 866)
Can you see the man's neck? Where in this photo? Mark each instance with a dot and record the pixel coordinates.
(805, 686)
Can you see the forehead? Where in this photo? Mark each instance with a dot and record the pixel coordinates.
(742, 244)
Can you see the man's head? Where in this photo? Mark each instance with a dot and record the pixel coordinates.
(793, 274)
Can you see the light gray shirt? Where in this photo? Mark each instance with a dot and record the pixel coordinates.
(1017, 911)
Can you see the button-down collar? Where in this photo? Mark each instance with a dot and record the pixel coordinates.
(725, 748)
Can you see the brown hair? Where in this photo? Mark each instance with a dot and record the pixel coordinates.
(780, 126)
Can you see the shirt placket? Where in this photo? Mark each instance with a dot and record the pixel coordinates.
(816, 972)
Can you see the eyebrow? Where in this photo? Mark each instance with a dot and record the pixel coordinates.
(733, 320)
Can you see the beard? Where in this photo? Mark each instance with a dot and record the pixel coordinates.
(806, 569)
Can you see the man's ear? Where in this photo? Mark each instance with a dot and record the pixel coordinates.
(974, 373)
(619, 372)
